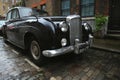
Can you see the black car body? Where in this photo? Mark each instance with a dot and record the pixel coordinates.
(46, 36)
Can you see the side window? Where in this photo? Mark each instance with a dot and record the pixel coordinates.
(9, 15)
(26, 12)
(15, 14)
(65, 7)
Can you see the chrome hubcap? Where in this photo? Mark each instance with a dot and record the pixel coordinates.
(35, 50)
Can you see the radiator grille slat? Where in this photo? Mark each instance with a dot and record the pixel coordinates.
(75, 30)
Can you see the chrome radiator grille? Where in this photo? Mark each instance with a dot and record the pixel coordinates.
(75, 28)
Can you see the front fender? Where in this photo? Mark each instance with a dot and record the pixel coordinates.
(48, 24)
(86, 30)
(44, 32)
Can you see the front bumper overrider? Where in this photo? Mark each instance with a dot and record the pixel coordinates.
(77, 48)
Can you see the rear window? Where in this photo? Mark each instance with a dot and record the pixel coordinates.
(28, 12)
(25, 12)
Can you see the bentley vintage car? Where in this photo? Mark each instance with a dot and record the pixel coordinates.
(43, 36)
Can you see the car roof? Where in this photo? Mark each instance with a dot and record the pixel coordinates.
(17, 8)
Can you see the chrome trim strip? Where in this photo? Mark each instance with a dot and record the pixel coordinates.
(72, 17)
(56, 52)
(74, 23)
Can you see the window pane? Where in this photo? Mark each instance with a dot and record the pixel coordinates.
(87, 8)
(25, 12)
(14, 14)
(91, 1)
(65, 7)
(9, 16)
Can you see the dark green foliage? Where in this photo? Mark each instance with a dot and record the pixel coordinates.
(100, 20)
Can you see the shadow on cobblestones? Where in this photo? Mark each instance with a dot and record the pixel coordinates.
(95, 65)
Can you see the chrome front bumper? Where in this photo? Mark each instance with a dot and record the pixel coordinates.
(77, 48)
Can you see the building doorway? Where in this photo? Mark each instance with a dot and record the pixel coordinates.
(114, 15)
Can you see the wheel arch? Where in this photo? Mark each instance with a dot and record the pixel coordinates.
(27, 37)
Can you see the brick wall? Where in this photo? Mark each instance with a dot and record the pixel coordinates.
(49, 7)
(54, 6)
(102, 7)
(57, 7)
(74, 7)
(29, 3)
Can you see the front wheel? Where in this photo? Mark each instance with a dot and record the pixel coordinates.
(35, 51)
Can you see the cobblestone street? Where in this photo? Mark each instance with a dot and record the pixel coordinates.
(95, 65)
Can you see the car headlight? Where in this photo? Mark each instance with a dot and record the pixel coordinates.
(63, 41)
(86, 26)
(64, 26)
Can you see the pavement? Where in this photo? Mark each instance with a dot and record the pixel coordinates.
(107, 44)
(94, 65)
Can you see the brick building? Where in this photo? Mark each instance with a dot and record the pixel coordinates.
(41, 4)
(86, 8)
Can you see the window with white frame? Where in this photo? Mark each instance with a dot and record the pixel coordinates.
(87, 8)
(65, 7)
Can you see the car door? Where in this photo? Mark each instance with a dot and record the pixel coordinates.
(9, 25)
(13, 18)
(19, 27)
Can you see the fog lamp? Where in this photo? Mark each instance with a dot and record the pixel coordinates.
(64, 42)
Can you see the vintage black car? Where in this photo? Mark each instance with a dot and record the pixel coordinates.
(46, 36)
